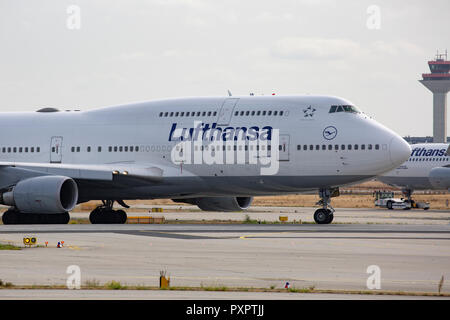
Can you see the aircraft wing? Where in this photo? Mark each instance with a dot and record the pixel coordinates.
(12, 172)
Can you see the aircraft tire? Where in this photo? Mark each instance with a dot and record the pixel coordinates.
(322, 216)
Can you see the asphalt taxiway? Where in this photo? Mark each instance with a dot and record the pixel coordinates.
(411, 257)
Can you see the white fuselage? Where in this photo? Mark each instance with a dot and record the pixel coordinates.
(317, 148)
(415, 172)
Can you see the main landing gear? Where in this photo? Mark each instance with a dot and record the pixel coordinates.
(14, 216)
(105, 213)
(325, 214)
(414, 205)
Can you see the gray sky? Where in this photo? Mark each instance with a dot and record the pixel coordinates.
(136, 50)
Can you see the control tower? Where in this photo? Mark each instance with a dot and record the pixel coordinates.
(438, 82)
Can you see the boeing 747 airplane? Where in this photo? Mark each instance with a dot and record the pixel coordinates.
(214, 152)
(428, 167)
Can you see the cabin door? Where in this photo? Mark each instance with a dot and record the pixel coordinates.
(56, 150)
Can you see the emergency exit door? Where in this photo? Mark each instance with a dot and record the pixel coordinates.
(56, 150)
(283, 148)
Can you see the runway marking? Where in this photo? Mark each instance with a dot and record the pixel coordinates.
(344, 238)
(172, 235)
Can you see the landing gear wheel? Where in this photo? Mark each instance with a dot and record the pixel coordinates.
(94, 217)
(323, 216)
(10, 217)
(122, 215)
(106, 215)
(330, 216)
(13, 216)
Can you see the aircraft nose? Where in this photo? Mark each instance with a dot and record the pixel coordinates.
(399, 150)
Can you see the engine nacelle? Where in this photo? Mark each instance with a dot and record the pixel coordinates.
(440, 177)
(45, 194)
(220, 203)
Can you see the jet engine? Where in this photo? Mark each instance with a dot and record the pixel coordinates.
(440, 177)
(45, 194)
(219, 203)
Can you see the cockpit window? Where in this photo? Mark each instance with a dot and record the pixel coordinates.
(344, 108)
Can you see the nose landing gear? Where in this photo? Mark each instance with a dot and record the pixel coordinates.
(325, 214)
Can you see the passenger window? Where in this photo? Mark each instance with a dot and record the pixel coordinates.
(14, 149)
(377, 147)
(9, 150)
(324, 147)
(275, 113)
(299, 147)
(171, 114)
(120, 149)
(369, 146)
(78, 149)
(109, 148)
(356, 147)
(160, 114)
(181, 114)
(236, 113)
(258, 113)
(363, 147)
(281, 113)
(317, 147)
(72, 149)
(330, 147)
(269, 113)
(187, 114)
(343, 147)
(176, 114)
(215, 113)
(311, 147)
(131, 149)
(88, 149)
(99, 149)
(136, 148)
(253, 113)
(115, 149)
(204, 113)
(349, 147)
(336, 147)
(53, 149)
(209, 113)
(32, 149)
(126, 148)
(305, 147)
(38, 149)
(166, 114)
(264, 113)
(247, 113)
